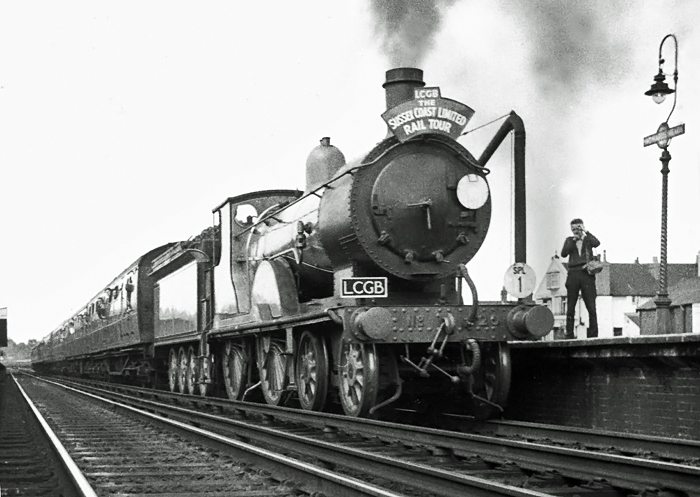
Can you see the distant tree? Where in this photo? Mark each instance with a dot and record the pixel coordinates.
(17, 351)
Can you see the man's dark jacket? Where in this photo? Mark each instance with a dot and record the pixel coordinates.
(578, 261)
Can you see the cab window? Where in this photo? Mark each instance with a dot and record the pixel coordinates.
(246, 215)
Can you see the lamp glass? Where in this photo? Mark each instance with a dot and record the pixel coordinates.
(658, 97)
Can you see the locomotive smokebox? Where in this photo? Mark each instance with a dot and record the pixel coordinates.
(400, 83)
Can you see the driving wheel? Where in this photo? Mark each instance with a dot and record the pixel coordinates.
(272, 365)
(312, 372)
(234, 363)
(191, 371)
(172, 370)
(182, 370)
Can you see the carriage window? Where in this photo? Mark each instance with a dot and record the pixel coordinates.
(246, 215)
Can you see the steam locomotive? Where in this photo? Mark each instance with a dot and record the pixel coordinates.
(349, 294)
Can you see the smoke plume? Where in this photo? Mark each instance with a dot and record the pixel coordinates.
(576, 49)
(574, 45)
(407, 28)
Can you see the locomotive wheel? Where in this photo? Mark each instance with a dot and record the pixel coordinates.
(312, 372)
(359, 378)
(235, 368)
(273, 372)
(191, 371)
(181, 370)
(173, 370)
(203, 388)
(105, 371)
(492, 381)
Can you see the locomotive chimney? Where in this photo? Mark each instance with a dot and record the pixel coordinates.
(400, 83)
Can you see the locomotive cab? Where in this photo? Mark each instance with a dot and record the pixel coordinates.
(243, 221)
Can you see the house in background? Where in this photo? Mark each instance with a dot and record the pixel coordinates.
(622, 289)
(684, 309)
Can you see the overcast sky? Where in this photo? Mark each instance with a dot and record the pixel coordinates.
(122, 124)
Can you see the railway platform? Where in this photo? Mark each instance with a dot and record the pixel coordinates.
(648, 384)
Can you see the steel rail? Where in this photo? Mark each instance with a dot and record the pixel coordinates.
(631, 443)
(74, 472)
(629, 472)
(625, 471)
(328, 481)
(420, 476)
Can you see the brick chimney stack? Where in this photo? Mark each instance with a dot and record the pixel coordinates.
(655, 268)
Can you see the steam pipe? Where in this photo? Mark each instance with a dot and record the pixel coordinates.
(514, 123)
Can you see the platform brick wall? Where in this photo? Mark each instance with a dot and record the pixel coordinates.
(646, 396)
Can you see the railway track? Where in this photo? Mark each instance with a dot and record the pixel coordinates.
(425, 461)
(127, 455)
(32, 461)
(665, 449)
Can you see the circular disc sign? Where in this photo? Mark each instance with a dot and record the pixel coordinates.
(520, 280)
(663, 142)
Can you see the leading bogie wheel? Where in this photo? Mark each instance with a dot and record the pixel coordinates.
(359, 377)
(492, 380)
(173, 373)
(312, 371)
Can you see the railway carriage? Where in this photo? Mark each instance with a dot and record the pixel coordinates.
(111, 335)
(346, 296)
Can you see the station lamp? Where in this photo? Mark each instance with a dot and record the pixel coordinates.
(659, 89)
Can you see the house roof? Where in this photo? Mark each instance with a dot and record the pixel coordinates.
(684, 292)
(556, 265)
(631, 279)
(634, 317)
(622, 280)
(642, 279)
(679, 272)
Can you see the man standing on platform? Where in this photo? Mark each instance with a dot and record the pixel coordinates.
(579, 249)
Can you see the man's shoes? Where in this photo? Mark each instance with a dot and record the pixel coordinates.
(569, 336)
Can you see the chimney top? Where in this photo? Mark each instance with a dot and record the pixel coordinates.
(400, 83)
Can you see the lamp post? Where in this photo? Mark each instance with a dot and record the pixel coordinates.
(658, 92)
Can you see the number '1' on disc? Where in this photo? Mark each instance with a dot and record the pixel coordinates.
(519, 280)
